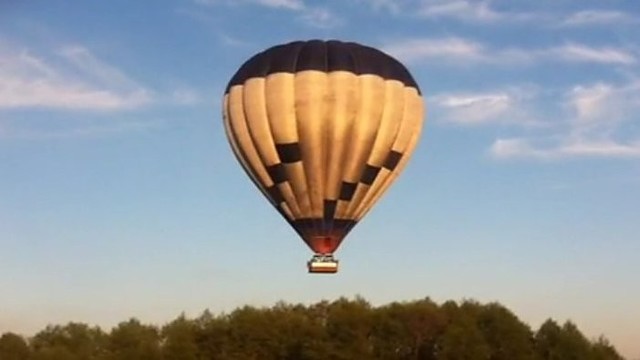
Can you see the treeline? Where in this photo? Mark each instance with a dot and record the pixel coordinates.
(350, 329)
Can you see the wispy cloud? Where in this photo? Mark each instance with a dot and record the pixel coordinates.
(484, 12)
(597, 17)
(320, 18)
(597, 112)
(488, 12)
(186, 96)
(212, 22)
(73, 78)
(505, 107)
(591, 103)
(462, 9)
(392, 6)
(233, 41)
(452, 48)
(314, 16)
(285, 4)
(77, 131)
(601, 148)
(582, 53)
(518, 148)
(601, 122)
(461, 51)
(473, 109)
(94, 69)
(470, 11)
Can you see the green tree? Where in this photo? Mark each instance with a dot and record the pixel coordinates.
(74, 341)
(340, 329)
(180, 340)
(13, 347)
(561, 343)
(211, 336)
(132, 340)
(252, 334)
(462, 338)
(348, 327)
(575, 345)
(408, 330)
(547, 341)
(602, 349)
(302, 331)
(508, 338)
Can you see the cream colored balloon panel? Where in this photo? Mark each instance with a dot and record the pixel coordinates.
(257, 118)
(235, 147)
(280, 101)
(363, 132)
(342, 107)
(403, 146)
(241, 141)
(336, 152)
(310, 104)
(387, 128)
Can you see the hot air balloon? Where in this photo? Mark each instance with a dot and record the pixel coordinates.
(322, 128)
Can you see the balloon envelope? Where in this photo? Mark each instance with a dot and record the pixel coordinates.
(322, 128)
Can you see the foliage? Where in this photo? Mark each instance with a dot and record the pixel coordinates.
(339, 329)
(13, 347)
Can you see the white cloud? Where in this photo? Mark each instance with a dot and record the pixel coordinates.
(601, 121)
(74, 79)
(319, 17)
(286, 4)
(472, 11)
(462, 9)
(461, 51)
(186, 96)
(507, 106)
(582, 53)
(79, 131)
(518, 148)
(473, 108)
(446, 48)
(597, 17)
(515, 148)
(601, 148)
(393, 6)
(591, 102)
(94, 69)
(598, 110)
(482, 11)
(232, 41)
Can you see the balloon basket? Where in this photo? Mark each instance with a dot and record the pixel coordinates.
(323, 264)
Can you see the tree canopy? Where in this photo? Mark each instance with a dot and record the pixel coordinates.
(339, 329)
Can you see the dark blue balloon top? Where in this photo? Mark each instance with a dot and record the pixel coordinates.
(326, 56)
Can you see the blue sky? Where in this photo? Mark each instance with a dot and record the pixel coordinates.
(120, 197)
